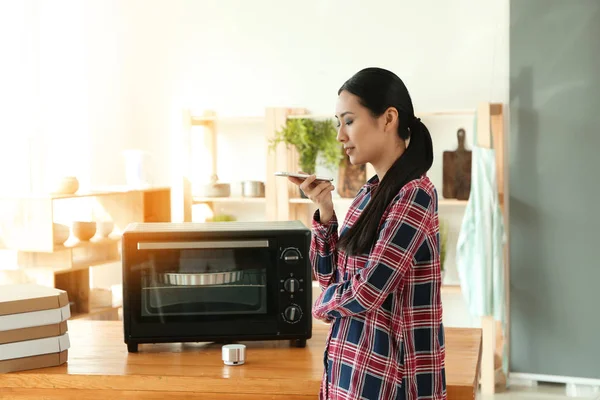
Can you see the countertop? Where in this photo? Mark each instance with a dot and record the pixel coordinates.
(99, 367)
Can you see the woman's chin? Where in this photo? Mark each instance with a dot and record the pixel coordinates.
(355, 160)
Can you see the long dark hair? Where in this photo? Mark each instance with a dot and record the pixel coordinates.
(377, 90)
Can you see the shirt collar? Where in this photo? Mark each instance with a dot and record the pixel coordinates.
(372, 182)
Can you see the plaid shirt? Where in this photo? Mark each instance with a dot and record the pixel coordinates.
(386, 340)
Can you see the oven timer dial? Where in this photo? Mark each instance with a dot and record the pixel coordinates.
(292, 313)
(291, 255)
(291, 285)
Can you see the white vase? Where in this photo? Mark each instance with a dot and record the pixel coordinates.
(137, 168)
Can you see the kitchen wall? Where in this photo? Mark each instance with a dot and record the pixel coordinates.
(84, 81)
(87, 80)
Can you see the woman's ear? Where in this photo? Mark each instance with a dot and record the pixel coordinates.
(391, 120)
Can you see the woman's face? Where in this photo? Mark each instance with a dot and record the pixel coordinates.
(363, 136)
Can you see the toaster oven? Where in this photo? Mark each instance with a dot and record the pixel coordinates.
(220, 281)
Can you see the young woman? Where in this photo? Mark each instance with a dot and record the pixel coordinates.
(381, 278)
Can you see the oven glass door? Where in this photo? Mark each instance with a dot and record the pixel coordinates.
(211, 283)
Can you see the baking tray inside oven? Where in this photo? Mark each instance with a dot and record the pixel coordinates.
(201, 279)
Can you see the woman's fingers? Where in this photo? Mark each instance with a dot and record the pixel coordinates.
(317, 191)
(320, 192)
(295, 181)
(321, 188)
(319, 198)
(306, 186)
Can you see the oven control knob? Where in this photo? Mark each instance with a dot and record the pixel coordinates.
(291, 256)
(291, 285)
(292, 314)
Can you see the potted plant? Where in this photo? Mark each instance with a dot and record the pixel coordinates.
(311, 138)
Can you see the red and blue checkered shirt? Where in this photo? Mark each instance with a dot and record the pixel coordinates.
(386, 339)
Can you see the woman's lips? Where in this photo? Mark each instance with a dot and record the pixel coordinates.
(349, 149)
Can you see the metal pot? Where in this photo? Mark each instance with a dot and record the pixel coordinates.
(215, 189)
(253, 189)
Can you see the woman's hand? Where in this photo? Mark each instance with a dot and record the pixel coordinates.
(322, 317)
(318, 192)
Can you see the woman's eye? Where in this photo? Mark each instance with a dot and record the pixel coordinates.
(349, 122)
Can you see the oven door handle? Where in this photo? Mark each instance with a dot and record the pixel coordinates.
(233, 244)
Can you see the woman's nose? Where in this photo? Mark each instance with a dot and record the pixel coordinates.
(341, 135)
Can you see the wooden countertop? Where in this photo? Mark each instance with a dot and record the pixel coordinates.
(99, 367)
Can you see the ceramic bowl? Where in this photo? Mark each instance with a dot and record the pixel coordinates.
(60, 233)
(84, 230)
(104, 228)
(66, 185)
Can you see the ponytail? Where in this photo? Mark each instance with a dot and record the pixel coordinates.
(412, 164)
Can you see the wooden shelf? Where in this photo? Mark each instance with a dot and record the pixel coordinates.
(29, 230)
(199, 200)
(336, 200)
(449, 113)
(30, 226)
(73, 255)
(203, 120)
(451, 289)
(73, 243)
(300, 200)
(98, 192)
(452, 202)
(110, 191)
(312, 116)
(441, 202)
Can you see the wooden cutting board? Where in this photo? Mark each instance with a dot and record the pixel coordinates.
(457, 170)
(351, 178)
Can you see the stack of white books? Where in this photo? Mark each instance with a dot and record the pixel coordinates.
(33, 327)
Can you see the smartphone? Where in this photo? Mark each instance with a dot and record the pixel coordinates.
(303, 176)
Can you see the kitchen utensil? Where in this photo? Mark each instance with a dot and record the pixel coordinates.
(457, 170)
(201, 279)
(215, 189)
(233, 354)
(253, 189)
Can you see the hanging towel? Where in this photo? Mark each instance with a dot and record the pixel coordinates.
(479, 251)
